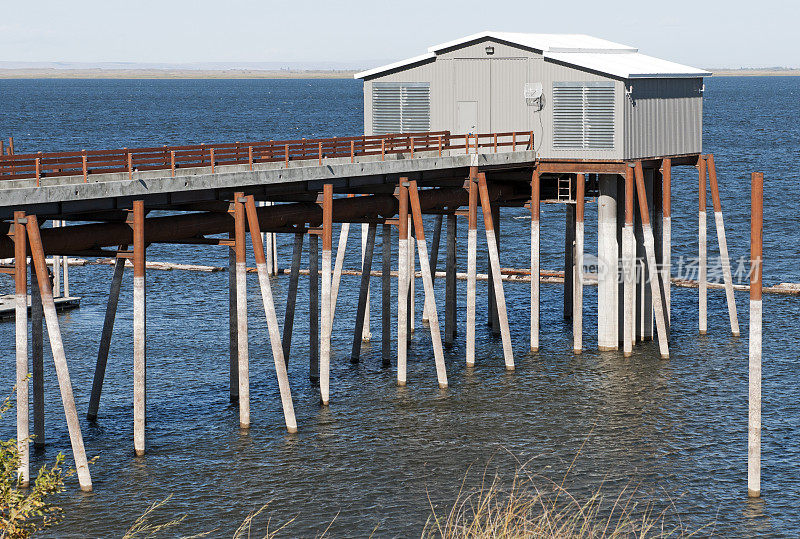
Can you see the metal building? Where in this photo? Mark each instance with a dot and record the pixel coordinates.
(582, 97)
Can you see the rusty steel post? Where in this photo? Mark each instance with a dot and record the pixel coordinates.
(535, 270)
(243, 356)
(494, 260)
(577, 277)
(21, 328)
(629, 267)
(402, 283)
(756, 319)
(653, 274)
(272, 318)
(327, 307)
(666, 234)
(702, 287)
(723, 245)
(59, 357)
(139, 330)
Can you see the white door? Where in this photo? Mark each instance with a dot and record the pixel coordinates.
(467, 120)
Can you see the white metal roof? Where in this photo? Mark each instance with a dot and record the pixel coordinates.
(575, 49)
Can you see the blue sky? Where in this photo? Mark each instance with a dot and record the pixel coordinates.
(362, 33)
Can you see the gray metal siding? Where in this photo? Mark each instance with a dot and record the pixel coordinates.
(663, 117)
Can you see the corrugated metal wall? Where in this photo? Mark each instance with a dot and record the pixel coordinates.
(663, 117)
(497, 83)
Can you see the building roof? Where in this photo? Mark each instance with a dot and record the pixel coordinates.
(579, 50)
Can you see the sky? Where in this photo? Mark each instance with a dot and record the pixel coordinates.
(361, 33)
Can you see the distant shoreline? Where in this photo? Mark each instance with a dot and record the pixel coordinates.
(166, 74)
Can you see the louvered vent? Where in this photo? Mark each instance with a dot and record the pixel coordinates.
(401, 107)
(583, 115)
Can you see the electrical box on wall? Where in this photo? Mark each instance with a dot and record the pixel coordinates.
(533, 95)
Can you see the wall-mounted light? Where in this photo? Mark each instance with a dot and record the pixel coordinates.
(490, 50)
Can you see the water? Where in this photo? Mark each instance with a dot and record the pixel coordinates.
(674, 429)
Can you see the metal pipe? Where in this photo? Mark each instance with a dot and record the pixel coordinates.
(756, 315)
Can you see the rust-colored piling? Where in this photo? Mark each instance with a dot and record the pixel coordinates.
(756, 317)
(21, 323)
(240, 246)
(402, 282)
(472, 248)
(666, 233)
(327, 309)
(629, 266)
(577, 277)
(702, 279)
(535, 277)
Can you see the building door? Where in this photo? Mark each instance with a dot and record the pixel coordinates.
(467, 120)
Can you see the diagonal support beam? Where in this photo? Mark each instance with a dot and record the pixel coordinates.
(272, 318)
(291, 295)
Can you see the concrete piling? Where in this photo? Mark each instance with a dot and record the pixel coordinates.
(666, 234)
(327, 306)
(494, 260)
(577, 294)
(402, 282)
(243, 363)
(105, 338)
(366, 334)
(756, 315)
(59, 357)
(21, 329)
(450, 302)
(723, 246)
(233, 348)
(341, 249)
(608, 264)
(494, 320)
(437, 235)
(702, 288)
(139, 330)
(427, 283)
(37, 361)
(535, 269)
(569, 262)
(272, 318)
(472, 262)
(313, 306)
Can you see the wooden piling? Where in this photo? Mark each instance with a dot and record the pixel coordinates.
(59, 357)
(472, 262)
(21, 329)
(366, 334)
(756, 316)
(272, 318)
(240, 240)
(437, 235)
(291, 295)
(451, 298)
(233, 347)
(105, 338)
(386, 295)
(494, 260)
(569, 262)
(629, 267)
(139, 330)
(363, 295)
(402, 282)
(702, 288)
(313, 307)
(535, 276)
(653, 274)
(37, 361)
(577, 293)
(427, 283)
(723, 245)
(327, 309)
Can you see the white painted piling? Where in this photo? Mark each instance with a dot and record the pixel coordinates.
(386, 295)
(139, 330)
(756, 316)
(577, 294)
(341, 249)
(437, 235)
(427, 283)
(723, 246)
(327, 305)
(702, 289)
(271, 315)
(233, 350)
(535, 270)
(472, 263)
(59, 357)
(608, 260)
(666, 234)
(243, 361)
(629, 267)
(494, 260)
(412, 280)
(402, 284)
(21, 331)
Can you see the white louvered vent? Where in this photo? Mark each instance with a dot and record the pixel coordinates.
(583, 115)
(401, 107)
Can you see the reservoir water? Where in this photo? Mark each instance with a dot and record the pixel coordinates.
(378, 457)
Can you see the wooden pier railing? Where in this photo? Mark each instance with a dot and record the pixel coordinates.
(85, 163)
